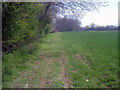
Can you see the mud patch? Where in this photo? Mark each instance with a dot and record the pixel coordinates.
(82, 58)
(44, 81)
(74, 71)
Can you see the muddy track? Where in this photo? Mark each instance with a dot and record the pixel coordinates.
(43, 80)
(64, 73)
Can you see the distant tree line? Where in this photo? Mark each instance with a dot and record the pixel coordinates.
(119, 27)
(66, 24)
(95, 27)
(69, 24)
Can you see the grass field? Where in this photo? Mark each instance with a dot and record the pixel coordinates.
(94, 55)
(66, 59)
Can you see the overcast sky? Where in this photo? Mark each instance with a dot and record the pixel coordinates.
(105, 16)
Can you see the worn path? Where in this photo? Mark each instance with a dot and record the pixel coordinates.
(49, 70)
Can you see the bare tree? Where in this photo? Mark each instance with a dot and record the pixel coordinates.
(76, 9)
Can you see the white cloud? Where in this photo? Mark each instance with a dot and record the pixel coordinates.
(106, 15)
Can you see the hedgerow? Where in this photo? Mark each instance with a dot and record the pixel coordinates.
(21, 23)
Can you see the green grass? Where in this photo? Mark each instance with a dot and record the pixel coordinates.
(46, 53)
(100, 49)
(90, 58)
(20, 60)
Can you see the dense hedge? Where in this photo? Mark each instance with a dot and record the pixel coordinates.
(21, 24)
